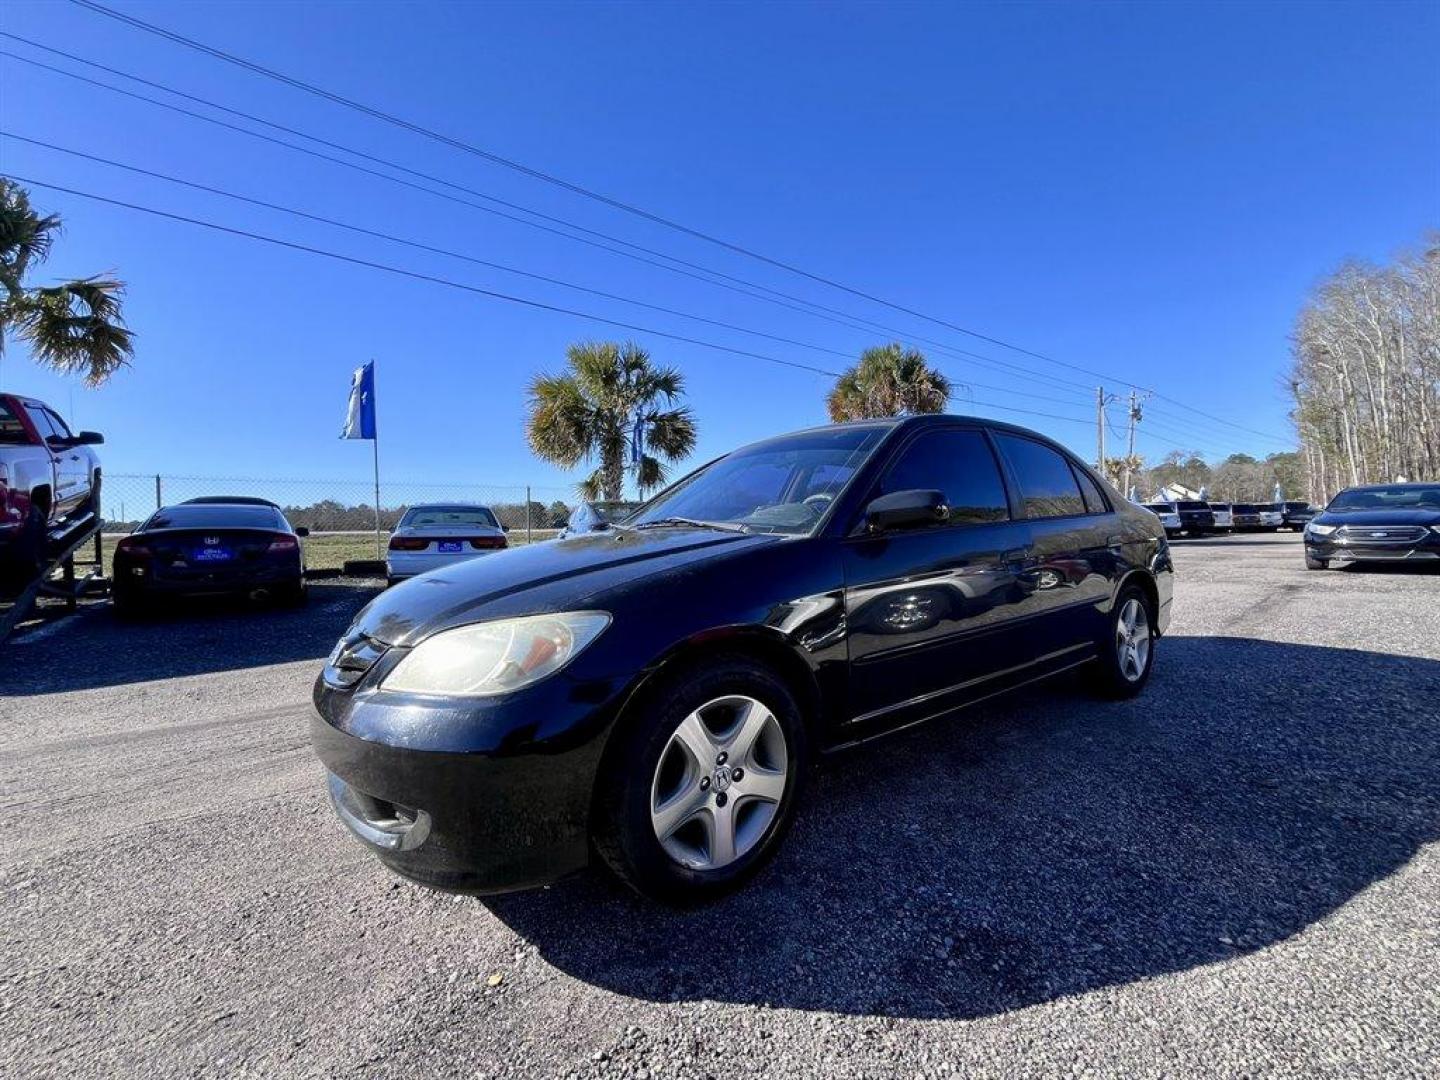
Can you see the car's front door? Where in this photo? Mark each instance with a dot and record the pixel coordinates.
(64, 493)
(930, 610)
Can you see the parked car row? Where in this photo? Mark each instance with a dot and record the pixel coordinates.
(1192, 517)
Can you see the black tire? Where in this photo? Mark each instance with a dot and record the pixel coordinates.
(625, 837)
(293, 594)
(1316, 564)
(92, 502)
(1108, 679)
(128, 604)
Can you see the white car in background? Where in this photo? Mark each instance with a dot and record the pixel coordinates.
(1224, 519)
(441, 534)
(1168, 515)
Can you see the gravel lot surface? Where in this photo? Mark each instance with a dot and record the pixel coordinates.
(1236, 875)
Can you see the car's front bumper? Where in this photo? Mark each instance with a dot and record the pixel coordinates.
(1345, 550)
(484, 795)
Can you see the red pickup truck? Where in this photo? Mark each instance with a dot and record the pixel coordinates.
(48, 475)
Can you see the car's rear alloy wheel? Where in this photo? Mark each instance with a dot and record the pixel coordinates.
(1132, 640)
(719, 782)
(1127, 653)
(701, 780)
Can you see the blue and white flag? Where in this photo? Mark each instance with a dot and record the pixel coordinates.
(360, 413)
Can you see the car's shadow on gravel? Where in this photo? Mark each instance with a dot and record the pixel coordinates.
(1051, 844)
(193, 636)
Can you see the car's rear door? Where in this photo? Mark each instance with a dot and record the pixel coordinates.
(1075, 545)
(929, 609)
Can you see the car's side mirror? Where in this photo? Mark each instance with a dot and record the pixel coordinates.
(89, 438)
(906, 509)
(302, 531)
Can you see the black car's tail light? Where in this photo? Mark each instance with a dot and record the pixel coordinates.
(133, 547)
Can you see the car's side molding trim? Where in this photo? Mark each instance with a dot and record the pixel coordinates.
(921, 699)
(1000, 692)
(973, 633)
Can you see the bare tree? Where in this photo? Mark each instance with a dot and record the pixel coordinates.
(1366, 374)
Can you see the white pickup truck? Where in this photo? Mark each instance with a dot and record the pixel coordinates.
(48, 475)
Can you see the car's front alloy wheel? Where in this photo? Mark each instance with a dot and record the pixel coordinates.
(719, 782)
(702, 780)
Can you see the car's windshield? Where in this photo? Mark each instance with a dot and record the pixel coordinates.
(1406, 497)
(423, 516)
(1297, 506)
(782, 485)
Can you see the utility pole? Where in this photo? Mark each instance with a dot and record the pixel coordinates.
(1100, 429)
(1130, 442)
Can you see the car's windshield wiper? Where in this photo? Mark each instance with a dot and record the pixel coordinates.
(724, 526)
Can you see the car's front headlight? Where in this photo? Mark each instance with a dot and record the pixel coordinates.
(1319, 530)
(490, 658)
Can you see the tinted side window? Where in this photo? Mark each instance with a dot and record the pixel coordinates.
(41, 422)
(1047, 486)
(61, 428)
(960, 465)
(1094, 501)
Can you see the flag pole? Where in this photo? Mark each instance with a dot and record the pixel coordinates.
(375, 447)
(375, 444)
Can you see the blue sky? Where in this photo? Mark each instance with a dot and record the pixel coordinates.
(1144, 190)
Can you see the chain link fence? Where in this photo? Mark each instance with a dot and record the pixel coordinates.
(340, 514)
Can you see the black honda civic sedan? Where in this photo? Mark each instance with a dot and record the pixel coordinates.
(652, 694)
(1376, 523)
(206, 547)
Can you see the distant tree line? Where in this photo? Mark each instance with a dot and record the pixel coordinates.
(327, 515)
(1366, 374)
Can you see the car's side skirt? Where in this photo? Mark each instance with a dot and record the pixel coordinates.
(918, 710)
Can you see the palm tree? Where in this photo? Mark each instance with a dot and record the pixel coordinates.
(889, 380)
(614, 406)
(74, 327)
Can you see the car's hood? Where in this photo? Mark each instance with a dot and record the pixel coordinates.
(1374, 516)
(567, 571)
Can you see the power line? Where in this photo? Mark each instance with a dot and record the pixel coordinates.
(618, 204)
(417, 276)
(419, 245)
(493, 294)
(833, 315)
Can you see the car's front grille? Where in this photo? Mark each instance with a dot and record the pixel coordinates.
(352, 657)
(1381, 534)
